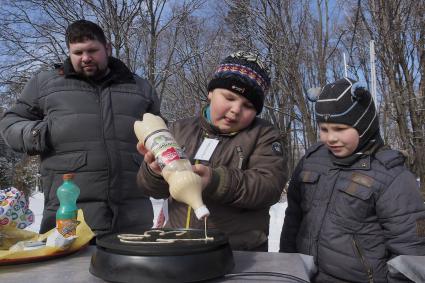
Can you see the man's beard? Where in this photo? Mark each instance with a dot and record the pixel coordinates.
(96, 75)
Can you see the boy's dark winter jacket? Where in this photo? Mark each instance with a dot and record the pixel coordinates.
(353, 219)
(248, 177)
(86, 128)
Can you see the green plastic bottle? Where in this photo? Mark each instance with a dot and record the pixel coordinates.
(66, 215)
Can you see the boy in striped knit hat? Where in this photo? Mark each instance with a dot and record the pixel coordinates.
(238, 155)
(352, 204)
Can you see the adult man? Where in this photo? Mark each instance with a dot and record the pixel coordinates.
(79, 118)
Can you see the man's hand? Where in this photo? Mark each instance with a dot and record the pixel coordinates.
(149, 158)
(205, 172)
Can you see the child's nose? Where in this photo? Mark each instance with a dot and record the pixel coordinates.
(236, 108)
(332, 137)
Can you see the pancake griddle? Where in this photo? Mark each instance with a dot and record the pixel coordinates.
(179, 261)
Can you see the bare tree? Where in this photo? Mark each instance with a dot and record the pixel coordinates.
(301, 45)
(32, 36)
(397, 29)
(198, 51)
(176, 45)
(119, 21)
(159, 28)
(239, 21)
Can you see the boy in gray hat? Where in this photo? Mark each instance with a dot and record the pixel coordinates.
(242, 167)
(352, 204)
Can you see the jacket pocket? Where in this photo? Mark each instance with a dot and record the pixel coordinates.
(65, 162)
(36, 138)
(360, 254)
(308, 185)
(355, 201)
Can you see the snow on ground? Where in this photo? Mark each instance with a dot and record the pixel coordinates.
(277, 213)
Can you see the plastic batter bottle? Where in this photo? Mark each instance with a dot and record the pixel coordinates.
(185, 185)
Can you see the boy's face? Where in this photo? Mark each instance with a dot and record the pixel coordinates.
(230, 112)
(342, 140)
(90, 58)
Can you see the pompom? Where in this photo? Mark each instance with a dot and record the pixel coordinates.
(313, 94)
(359, 91)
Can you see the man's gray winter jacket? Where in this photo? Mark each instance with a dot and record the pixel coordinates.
(87, 128)
(353, 219)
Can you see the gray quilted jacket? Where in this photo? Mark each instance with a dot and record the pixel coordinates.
(353, 219)
(77, 126)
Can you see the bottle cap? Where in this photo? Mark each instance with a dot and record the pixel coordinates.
(68, 176)
(202, 212)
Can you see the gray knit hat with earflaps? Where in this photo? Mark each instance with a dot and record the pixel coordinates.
(347, 102)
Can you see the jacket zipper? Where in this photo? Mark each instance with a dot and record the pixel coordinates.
(363, 260)
(313, 247)
(241, 157)
(99, 96)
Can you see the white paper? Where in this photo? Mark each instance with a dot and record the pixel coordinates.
(206, 149)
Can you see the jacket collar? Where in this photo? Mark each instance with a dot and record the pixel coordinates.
(361, 163)
(360, 160)
(120, 72)
(210, 128)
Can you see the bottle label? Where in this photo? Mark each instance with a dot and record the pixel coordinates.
(164, 147)
(67, 227)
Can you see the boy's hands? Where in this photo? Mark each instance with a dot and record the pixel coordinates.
(205, 172)
(149, 158)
